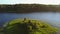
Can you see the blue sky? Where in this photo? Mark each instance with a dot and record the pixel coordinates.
(30, 1)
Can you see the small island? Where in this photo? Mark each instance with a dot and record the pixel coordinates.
(27, 26)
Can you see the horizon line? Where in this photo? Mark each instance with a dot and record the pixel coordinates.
(27, 3)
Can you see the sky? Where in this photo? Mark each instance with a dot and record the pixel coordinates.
(30, 1)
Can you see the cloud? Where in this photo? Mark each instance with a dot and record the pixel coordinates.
(29, 1)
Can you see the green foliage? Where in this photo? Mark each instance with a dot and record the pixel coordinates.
(27, 26)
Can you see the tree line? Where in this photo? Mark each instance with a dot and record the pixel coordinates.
(24, 8)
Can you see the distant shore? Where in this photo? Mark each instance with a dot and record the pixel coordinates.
(27, 8)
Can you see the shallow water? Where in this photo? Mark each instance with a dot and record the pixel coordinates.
(51, 17)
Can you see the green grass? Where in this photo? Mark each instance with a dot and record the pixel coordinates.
(28, 26)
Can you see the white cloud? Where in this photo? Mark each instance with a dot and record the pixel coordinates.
(30, 1)
(42, 1)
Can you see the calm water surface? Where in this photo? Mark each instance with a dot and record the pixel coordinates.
(52, 18)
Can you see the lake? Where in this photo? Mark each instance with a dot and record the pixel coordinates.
(51, 17)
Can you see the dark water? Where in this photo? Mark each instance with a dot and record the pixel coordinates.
(52, 18)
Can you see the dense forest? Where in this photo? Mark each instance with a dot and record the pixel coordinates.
(25, 8)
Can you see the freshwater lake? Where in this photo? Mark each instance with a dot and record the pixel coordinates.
(51, 17)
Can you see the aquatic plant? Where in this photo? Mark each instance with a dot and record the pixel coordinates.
(28, 26)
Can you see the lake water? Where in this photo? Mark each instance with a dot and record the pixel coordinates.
(52, 17)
